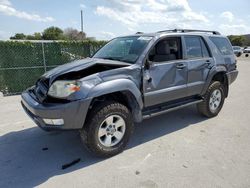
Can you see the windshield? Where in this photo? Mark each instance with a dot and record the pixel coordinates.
(126, 49)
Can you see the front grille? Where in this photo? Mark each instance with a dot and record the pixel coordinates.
(41, 89)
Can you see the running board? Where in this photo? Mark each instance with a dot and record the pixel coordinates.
(169, 108)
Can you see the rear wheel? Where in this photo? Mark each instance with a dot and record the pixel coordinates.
(108, 129)
(213, 100)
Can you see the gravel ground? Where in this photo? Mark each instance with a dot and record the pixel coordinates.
(178, 149)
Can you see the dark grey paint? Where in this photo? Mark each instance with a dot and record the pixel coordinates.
(168, 82)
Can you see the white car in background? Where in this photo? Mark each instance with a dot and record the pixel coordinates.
(247, 50)
(237, 50)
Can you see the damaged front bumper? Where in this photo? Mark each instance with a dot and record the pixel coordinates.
(71, 115)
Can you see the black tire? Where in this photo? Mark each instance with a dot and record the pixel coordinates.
(98, 114)
(204, 107)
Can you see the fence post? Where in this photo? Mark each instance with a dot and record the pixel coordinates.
(89, 49)
(44, 60)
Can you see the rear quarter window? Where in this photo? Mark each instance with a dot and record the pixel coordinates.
(223, 45)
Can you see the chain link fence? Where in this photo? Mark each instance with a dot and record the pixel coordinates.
(22, 62)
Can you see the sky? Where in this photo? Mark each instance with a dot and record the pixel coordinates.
(106, 19)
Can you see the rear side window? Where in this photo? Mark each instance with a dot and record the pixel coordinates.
(223, 45)
(205, 51)
(195, 47)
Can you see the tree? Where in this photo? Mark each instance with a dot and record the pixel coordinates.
(53, 33)
(35, 36)
(247, 42)
(18, 36)
(38, 36)
(237, 40)
(30, 37)
(74, 34)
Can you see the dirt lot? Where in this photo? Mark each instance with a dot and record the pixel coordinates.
(178, 149)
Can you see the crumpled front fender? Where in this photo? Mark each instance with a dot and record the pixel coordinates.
(117, 85)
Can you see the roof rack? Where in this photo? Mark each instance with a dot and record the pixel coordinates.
(189, 30)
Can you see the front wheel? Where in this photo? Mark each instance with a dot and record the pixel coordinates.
(213, 100)
(108, 129)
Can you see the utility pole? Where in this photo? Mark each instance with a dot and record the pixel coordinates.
(81, 22)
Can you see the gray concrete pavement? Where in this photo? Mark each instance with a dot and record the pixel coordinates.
(178, 149)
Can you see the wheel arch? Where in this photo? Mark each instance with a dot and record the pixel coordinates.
(218, 74)
(124, 91)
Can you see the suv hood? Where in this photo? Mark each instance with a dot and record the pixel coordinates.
(82, 68)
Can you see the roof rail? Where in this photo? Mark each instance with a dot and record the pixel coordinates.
(189, 30)
(139, 32)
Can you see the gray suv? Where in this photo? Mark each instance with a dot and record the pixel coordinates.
(130, 79)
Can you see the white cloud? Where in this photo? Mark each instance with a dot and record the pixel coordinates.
(234, 29)
(232, 25)
(107, 35)
(6, 8)
(228, 16)
(5, 2)
(170, 13)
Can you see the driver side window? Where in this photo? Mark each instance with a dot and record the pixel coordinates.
(168, 49)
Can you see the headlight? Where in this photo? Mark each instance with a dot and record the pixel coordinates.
(63, 88)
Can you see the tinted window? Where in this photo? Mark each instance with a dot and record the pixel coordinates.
(193, 47)
(223, 45)
(205, 52)
(168, 49)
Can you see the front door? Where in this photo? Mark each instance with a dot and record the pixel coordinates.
(166, 77)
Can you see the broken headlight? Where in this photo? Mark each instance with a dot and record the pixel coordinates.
(64, 88)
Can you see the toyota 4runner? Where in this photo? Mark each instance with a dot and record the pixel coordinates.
(130, 79)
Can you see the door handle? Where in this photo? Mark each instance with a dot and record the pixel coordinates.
(208, 62)
(180, 66)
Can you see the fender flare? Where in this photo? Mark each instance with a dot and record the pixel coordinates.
(215, 70)
(121, 85)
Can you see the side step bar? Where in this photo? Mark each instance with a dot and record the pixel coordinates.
(166, 109)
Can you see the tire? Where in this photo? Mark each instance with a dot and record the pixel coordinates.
(211, 105)
(238, 54)
(99, 121)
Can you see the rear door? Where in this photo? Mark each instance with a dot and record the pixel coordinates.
(199, 61)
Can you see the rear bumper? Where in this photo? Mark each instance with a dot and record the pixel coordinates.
(231, 76)
(73, 113)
